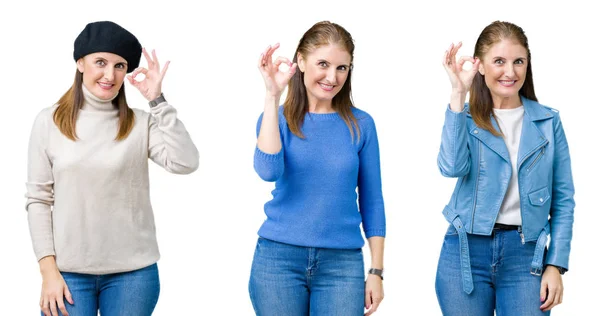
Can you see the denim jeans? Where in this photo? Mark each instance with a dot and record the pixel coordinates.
(500, 266)
(293, 281)
(132, 293)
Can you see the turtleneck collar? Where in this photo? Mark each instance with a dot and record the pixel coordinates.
(93, 103)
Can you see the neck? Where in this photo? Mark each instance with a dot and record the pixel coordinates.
(511, 102)
(316, 106)
(93, 103)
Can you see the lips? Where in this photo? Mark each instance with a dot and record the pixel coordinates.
(326, 87)
(507, 83)
(105, 86)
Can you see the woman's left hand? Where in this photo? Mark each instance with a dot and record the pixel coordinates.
(551, 292)
(150, 87)
(373, 293)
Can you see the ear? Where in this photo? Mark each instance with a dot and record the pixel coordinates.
(301, 62)
(80, 65)
(481, 69)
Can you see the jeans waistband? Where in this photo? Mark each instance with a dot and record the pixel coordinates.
(465, 260)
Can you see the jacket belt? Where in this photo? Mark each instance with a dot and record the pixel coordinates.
(537, 264)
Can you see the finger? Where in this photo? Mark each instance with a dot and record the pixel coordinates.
(68, 295)
(45, 307)
(455, 49)
(550, 300)
(543, 291)
(292, 70)
(280, 60)
(271, 50)
(164, 71)
(463, 59)
(156, 62)
(260, 60)
(148, 59)
(139, 70)
(368, 301)
(476, 64)
(62, 308)
(53, 307)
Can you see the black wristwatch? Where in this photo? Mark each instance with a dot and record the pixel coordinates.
(378, 272)
(157, 101)
(560, 269)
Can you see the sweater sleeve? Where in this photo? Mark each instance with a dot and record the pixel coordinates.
(170, 145)
(370, 196)
(269, 167)
(40, 184)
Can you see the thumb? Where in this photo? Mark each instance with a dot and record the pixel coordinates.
(68, 295)
(292, 70)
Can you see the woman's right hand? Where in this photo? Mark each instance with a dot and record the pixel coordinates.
(460, 79)
(275, 80)
(54, 289)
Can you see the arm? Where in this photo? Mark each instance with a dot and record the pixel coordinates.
(268, 155)
(453, 158)
(169, 143)
(372, 212)
(40, 199)
(563, 203)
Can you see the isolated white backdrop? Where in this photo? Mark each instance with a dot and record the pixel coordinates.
(207, 221)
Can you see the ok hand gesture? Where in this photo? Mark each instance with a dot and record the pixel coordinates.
(460, 79)
(275, 80)
(150, 87)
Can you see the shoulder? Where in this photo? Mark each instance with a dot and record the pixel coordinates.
(45, 116)
(364, 119)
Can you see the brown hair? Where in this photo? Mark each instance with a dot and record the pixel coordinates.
(480, 101)
(65, 116)
(296, 102)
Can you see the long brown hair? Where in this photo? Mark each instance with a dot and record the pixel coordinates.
(65, 116)
(295, 106)
(480, 101)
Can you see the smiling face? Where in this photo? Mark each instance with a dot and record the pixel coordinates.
(504, 67)
(325, 71)
(103, 73)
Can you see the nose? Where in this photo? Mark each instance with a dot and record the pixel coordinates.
(509, 70)
(109, 74)
(331, 75)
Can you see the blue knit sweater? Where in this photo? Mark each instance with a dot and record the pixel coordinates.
(316, 179)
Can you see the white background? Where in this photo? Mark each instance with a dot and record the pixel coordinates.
(207, 221)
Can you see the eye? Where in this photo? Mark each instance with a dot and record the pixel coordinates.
(499, 62)
(342, 68)
(120, 66)
(100, 63)
(322, 64)
(519, 61)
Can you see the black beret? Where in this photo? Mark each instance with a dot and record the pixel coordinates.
(109, 37)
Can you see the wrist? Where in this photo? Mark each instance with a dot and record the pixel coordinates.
(376, 273)
(48, 265)
(156, 101)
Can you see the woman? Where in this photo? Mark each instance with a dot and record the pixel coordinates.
(318, 148)
(88, 203)
(514, 187)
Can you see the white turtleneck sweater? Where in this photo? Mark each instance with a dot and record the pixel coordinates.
(88, 200)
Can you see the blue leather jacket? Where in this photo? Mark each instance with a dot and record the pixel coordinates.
(482, 165)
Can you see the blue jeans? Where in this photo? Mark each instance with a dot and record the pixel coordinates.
(132, 293)
(293, 281)
(500, 266)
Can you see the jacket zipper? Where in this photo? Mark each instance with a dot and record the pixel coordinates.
(476, 186)
(536, 158)
(521, 192)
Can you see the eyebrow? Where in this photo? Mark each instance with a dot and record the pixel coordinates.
(500, 57)
(104, 59)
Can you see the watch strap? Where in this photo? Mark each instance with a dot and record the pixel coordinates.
(160, 99)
